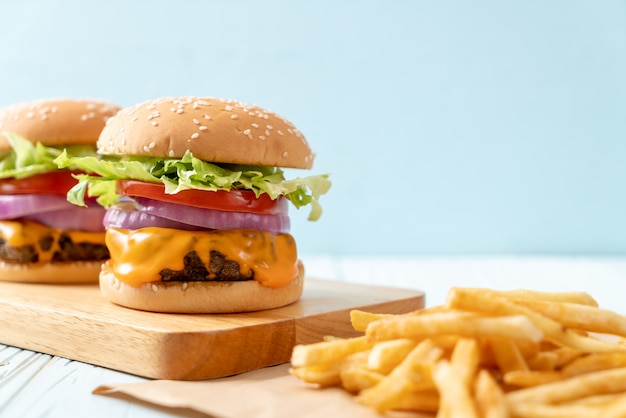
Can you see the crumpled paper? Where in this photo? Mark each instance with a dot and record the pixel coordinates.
(266, 393)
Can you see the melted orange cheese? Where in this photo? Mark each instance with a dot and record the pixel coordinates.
(24, 232)
(137, 256)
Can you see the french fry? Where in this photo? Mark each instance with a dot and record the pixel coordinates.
(577, 316)
(422, 400)
(566, 355)
(507, 355)
(581, 298)
(463, 365)
(595, 362)
(465, 359)
(327, 351)
(355, 375)
(543, 361)
(529, 378)
(597, 400)
(463, 325)
(326, 374)
(489, 302)
(597, 383)
(331, 338)
(490, 400)
(386, 355)
(540, 410)
(355, 380)
(455, 397)
(361, 319)
(527, 348)
(405, 378)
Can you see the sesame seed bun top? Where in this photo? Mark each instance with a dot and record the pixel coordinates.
(56, 122)
(214, 130)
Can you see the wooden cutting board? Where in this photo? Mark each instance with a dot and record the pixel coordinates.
(74, 321)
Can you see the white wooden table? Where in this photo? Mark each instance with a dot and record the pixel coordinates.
(39, 385)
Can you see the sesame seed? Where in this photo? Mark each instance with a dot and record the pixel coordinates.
(195, 135)
(251, 113)
(83, 117)
(155, 123)
(250, 137)
(234, 116)
(202, 128)
(171, 153)
(246, 132)
(254, 125)
(185, 285)
(196, 121)
(146, 149)
(228, 108)
(285, 154)
(267, 132)
(155, 288)
(179, 111)
(91, 106)
(152, 145)
(122, 129)
(54, 109)
(172, 109)
(279, 132)
(261, 137)
(269, 127)
(30, 115)
(207, 117)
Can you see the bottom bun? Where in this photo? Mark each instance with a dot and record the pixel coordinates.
(200, 297)
(53, 273)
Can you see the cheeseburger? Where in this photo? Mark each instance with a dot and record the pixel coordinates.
(44, 238)
(197, 200)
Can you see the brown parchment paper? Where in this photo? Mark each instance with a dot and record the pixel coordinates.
(266, 393)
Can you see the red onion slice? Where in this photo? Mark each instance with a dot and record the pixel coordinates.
(74, 218)
(155, 213)
(16, 206)
(52, 210)
(126, 216)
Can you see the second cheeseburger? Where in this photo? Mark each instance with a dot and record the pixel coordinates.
(197, 218)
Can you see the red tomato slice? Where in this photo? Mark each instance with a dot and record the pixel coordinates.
(234, 200)
(55, 182)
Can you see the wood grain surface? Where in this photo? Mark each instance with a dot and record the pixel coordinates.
(75, 322)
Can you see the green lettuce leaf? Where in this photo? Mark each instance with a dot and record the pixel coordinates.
(189, 172)
(27, 159)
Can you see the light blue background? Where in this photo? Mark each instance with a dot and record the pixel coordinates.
(449, 127)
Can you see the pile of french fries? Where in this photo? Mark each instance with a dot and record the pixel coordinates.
(484, 353)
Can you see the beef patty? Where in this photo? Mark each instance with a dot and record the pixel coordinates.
(68, 251)
(218, 269)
